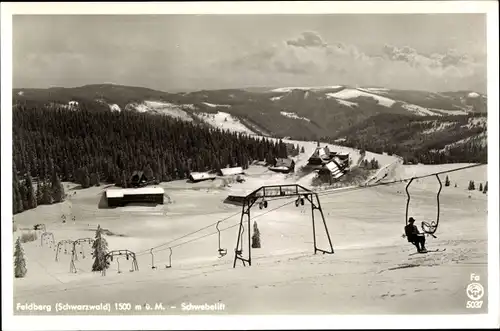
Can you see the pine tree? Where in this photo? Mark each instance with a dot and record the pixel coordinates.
(85, 178)
(23, 193)
(17, 201)
(30, 190)
(123, 179)
(46, 194)
(255, 236)
(57, 189)
(485, 188)
(100, 247)
(94, 179)
(148, 172)
(39, 190)
(302, 150)
(447, 181)
(471, 187)
(19, 260)
(481, 187)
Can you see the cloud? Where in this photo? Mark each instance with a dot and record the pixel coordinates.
(308, 58)
(307, 39)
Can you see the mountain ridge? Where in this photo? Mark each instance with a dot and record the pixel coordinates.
(302, 113)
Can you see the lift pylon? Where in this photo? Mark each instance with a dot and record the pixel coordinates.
(278, 191)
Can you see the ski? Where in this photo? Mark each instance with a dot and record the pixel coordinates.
(429, 251)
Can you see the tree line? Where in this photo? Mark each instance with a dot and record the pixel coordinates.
(53, 144)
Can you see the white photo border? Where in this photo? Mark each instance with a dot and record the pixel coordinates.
(11, 322)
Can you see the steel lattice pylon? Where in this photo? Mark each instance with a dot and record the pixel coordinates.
(278, 191)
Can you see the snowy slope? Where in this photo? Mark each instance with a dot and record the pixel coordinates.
(295, 116)
(224, 121)
(371, 271)
(211, 105)
(347, 103)
(417, 110)
(114, 107)
(349, 93)
(165, 108)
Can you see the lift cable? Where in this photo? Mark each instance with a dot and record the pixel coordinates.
(212, 233)
(324, 193)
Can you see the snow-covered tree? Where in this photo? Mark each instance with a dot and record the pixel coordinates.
(100, 247)
(19, 261)
(255, 236)
(447, 181)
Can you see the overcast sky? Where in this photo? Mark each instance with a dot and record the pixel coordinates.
(437, 52)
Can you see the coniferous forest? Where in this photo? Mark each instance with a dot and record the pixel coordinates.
(88, 147)
(413, 139)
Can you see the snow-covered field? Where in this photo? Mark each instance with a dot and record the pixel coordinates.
(371, 272)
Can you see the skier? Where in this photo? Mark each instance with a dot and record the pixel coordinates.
(414, 236)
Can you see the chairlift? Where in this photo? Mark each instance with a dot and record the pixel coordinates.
(152, 259)
(427, 228)
(169, 259)
(222, 251)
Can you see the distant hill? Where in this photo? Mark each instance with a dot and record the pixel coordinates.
(305, 113)
(421, 139)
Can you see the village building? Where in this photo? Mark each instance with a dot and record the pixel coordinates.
(282, 165)
(230, 171)
(333, 169)
(321, 156)
(196, 177)
(138, 179)
(122, 197)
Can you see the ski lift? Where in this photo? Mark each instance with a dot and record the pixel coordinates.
(169, 265)
(427, 228)
(152, 259)
(222, 251)
(299, 201)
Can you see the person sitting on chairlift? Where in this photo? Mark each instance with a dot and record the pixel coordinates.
(414, 236)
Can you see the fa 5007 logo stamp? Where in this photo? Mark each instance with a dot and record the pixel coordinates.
(475, 292)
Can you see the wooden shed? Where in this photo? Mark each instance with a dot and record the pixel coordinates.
(122, 197)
